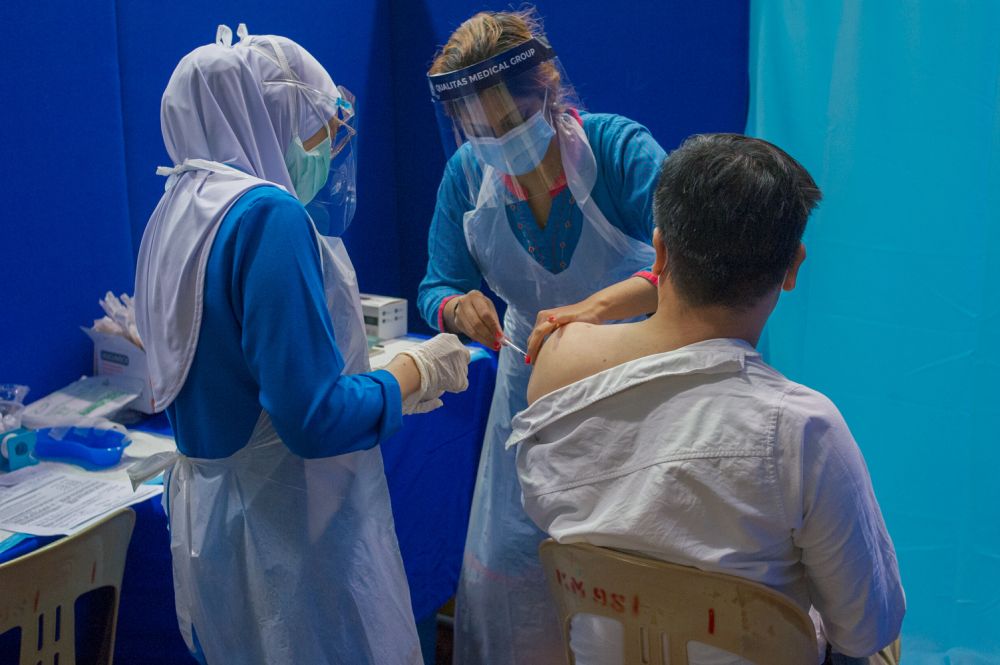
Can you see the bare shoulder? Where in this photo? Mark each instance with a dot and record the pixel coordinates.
(575, 351)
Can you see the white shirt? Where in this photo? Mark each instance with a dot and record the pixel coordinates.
(706, 456)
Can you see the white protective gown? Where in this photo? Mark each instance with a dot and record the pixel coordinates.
(280, 559)
(309, 545)
(504, 613)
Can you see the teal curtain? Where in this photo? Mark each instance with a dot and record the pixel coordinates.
(894, 107)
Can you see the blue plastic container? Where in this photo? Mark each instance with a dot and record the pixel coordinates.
(85, 446)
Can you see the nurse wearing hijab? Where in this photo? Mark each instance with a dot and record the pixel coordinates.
(283, 544)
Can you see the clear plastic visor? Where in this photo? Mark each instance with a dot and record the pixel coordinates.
(333, 207)
(318, 116)
(498, 119)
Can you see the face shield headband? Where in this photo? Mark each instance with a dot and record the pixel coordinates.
(497, 119)
(328, 108)
(511, 63)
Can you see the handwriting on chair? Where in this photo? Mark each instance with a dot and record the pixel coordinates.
(599, 596)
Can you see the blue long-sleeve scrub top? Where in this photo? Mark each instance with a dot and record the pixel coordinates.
(628, 164)
(266, 340)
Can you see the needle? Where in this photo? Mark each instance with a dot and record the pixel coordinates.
(506, 342)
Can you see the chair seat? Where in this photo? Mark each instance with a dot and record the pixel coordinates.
(40, 591)
(664, 606)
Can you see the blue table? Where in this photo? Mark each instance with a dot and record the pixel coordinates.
(431, 466)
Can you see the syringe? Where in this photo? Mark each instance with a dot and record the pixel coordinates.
(507, 342)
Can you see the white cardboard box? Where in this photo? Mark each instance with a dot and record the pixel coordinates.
(385, 316)
(115, 355)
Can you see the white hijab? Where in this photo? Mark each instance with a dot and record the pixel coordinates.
(228, 115)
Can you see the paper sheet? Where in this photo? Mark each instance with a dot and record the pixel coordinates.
(44, 501)
(381, 355)
(83, 401)
(389, 349)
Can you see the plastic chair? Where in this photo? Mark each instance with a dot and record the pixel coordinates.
(40, 591)
(662, 606)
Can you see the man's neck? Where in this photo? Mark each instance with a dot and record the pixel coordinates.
(681, 324)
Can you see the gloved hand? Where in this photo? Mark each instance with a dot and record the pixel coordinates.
(413, 405)
(443, 363)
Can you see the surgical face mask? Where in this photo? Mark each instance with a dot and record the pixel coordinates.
(308, 169)
(518, 151)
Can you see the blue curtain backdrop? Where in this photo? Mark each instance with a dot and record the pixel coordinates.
(894, 107)
(64, 237)
(81, 134)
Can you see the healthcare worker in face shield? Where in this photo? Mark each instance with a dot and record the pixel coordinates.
(282, 536)
(548, 205)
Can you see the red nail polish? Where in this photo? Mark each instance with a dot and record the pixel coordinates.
(496, 347)
(527, 360)
(498, 334)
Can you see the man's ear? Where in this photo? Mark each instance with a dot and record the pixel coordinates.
(793, 270)
(660, 264)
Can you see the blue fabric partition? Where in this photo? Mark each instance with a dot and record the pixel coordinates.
(64, 226)
(349, 39)
(677, 67)
(83, 140)
(895, 109)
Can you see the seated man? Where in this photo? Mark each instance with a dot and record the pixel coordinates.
(671, 438)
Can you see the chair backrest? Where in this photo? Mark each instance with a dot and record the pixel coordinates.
(40, 589)
(655, 600)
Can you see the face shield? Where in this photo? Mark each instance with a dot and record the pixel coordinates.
(320, 157)
(499, 116)
(332, 207)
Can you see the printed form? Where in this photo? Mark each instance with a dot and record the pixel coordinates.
(46, 501)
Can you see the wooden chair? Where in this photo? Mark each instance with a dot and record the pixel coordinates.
(663, 606)
(38, 591)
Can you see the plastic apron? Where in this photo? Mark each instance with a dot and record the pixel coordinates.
(504, 613)
(280, 559)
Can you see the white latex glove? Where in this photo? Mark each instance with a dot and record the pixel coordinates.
(443, 363)
(416, 405)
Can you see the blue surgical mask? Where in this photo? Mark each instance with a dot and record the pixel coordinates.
(308, 169)
(518, 151)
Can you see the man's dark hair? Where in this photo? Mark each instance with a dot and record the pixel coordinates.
(731, 210)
